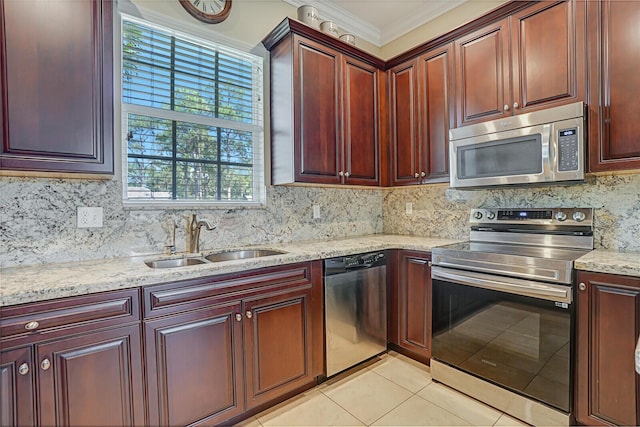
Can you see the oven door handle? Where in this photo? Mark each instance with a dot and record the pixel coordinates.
(527, 288)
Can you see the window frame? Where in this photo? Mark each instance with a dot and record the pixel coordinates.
(209, 38)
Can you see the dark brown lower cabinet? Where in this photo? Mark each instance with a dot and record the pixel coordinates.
(410, 325)
(73, 362)
(17, 400)
(277, 344)
(608, 325)
(92, 380)
(228, 344)
(194, 363)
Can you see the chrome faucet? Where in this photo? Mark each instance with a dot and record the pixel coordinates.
(193, 231)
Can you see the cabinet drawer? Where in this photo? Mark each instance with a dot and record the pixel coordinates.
(169, 298)
(69, 315)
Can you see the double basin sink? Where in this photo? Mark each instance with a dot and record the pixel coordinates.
(230, 255)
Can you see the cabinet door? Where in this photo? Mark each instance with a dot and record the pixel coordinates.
(483, 74)
(404, 123)
(414, 300)
(194, 364)
(317, 109)
(436, 112)
(56, 86)
(608, 325)
(17, 403)
(614, 61)
(548, 45)
(277, 345)
(92, 380)
(360, 123)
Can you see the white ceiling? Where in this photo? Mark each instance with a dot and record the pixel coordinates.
(379, 21)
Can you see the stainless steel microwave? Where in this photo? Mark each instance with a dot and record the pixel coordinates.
(546, 146)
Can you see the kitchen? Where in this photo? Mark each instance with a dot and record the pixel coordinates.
(39, 224)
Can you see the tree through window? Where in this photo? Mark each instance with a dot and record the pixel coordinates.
(193, 118)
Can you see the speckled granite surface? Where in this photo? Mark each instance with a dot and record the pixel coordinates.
(602, 261)
(48, 281)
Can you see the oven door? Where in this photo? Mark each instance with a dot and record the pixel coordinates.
(511, 332)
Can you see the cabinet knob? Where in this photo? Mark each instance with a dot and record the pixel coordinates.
(515, 105)
(423, 174)
(417, 175)
(346, 174)
(582, 286)
(239, 317)
(45, 364)
(506, 107)
(31, 326)
(249, 314)
(23, 369)
(340, 173)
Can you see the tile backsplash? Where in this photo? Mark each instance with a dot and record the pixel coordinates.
(38, 216)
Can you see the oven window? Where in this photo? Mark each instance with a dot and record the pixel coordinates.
(512, 156)
(517, 342)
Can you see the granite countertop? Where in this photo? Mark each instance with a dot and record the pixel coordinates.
(601, 261)
(49, 281)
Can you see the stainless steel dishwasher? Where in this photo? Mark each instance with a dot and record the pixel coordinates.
(355, 307)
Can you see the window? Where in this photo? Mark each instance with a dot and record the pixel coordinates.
(192, 118)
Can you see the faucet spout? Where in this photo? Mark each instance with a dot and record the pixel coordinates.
(193, 229)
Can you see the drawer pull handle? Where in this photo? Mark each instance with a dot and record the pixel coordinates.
(31, 326)
(45, 364)
(249, 315)
(23, 369)
(582, 286)
(239, 317)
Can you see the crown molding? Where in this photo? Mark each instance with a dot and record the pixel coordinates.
(348, 22)
(428, 12)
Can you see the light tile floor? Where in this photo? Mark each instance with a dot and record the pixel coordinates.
(393, 391)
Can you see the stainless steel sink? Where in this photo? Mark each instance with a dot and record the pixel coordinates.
(241, 254)
(230, 255)
(175, 262)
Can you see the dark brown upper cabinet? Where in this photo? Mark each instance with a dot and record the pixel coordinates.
(56, 86)
(421, 114)
(325, 108)
(614, 105)
(531, 60)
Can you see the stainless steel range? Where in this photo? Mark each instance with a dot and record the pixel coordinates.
(503, 316)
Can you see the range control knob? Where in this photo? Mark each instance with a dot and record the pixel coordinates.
(477, 215)
(491, 215)
(579, 216)
(561, 216)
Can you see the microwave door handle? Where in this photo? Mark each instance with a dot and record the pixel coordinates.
(513, 286)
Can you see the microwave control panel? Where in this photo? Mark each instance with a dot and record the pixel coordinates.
(568, 150)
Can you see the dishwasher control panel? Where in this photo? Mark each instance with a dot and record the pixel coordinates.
(352, 262)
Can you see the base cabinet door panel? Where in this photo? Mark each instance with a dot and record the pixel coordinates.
(608, 325)
(194, 365)
(278, 345)
(17, 402)
(413, 299)
(92, 380)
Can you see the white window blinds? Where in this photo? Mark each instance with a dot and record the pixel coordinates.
(193, 117)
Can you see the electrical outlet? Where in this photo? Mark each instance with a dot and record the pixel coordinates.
(408, 209)
(89, 217)
(316, 211)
